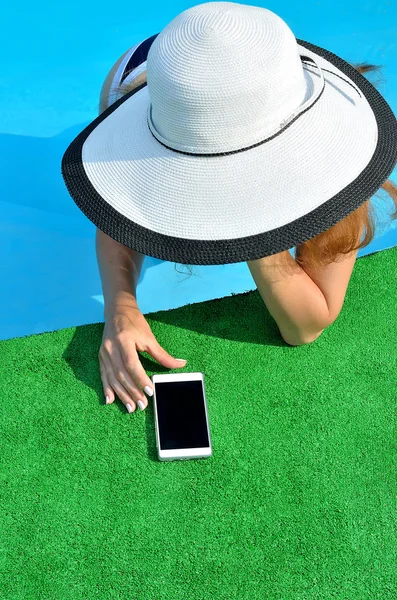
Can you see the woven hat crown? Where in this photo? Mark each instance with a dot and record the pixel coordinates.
(222, 76)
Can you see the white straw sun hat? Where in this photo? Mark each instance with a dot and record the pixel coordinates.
(244, 142)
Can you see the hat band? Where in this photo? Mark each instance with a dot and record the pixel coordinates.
(281, 127)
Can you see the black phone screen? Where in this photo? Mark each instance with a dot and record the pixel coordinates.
(181, 415)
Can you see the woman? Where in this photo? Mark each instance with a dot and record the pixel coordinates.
(304, 295)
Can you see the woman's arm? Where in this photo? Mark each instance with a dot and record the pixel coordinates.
(295, 302)
(305, 302)
(120, 269)
(119, 266)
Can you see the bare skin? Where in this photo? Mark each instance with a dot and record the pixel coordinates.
(126, 330)
(104, 95)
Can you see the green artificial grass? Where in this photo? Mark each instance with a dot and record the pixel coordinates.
(297, 502)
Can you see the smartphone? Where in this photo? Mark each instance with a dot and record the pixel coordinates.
(181, 418)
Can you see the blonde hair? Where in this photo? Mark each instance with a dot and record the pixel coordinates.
(340, 239)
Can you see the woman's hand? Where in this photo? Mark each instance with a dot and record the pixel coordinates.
(125, 333)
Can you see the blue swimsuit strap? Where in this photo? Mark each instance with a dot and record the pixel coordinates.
(138, 57)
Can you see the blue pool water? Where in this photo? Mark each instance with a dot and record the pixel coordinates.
(54, 59)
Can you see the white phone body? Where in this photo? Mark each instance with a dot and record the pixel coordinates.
(181, 417)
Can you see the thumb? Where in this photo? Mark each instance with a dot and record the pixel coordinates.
(163, 357)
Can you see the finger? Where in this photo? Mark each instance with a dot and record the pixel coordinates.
(126, 391)
(124, 377)
(107, 390)
(162, 356)
(134, 366)
(116, 386)
(121, 392)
